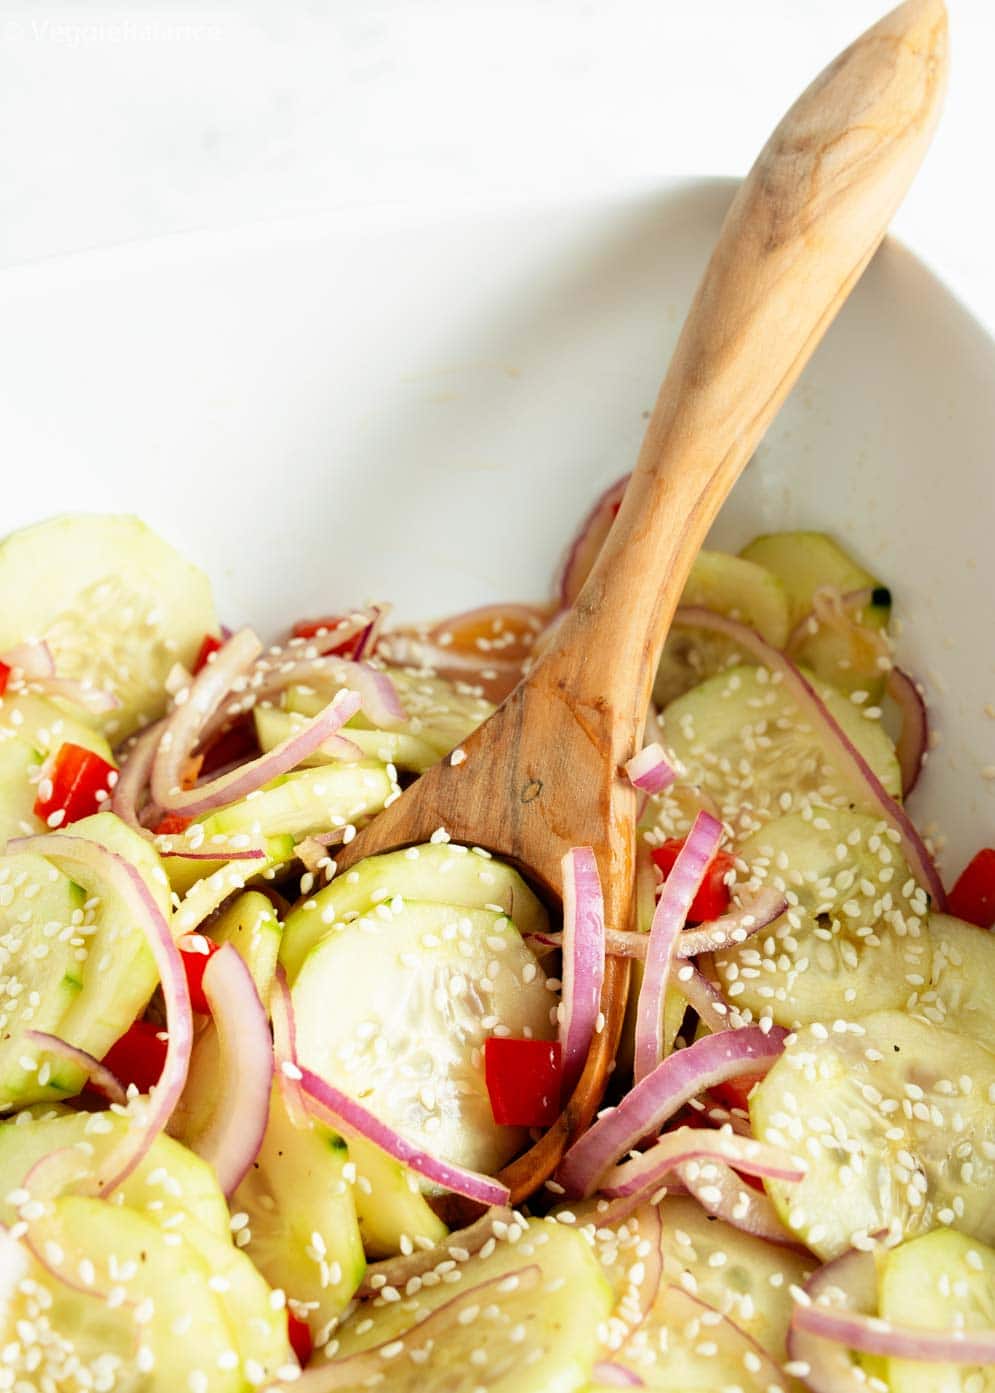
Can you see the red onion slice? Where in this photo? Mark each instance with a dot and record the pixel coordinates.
(457, 1245)
(583, 551)
(235, 1133)
(246, 778)
(704, 997)
(749, 918)
(330, 1105)
(616, 1375)
(840, 1295)
(93, 699)
(674, 1082)
(185, 724)
(34, 663)
(644, 1173)
(150, 1114)
(872, 1335)
(583, 961)
(848, 758)
(281, 669)
(830, 1368)
(133, 776)
(218, 853)
(721, 1193)
(366, 1368)
(281, 1009)
(913, 741)
(95, 1072)
(31, 660)
(649, 770)
(680, 888)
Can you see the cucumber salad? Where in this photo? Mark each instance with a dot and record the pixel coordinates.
(265, 1122)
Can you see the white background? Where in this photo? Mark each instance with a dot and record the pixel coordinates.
(123, 124)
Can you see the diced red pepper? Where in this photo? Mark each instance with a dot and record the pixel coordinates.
(712, 899)
(233, 745)
(523, 1080)
(735, 1093)
(195, 960)
(139, 1056)
(973, 896)
(172, 825)
(325, 628)
(4, 677)
(80, 785)
(299, 1335)
(209, 645)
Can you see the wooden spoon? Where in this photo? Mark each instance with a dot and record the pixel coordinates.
(544, 773)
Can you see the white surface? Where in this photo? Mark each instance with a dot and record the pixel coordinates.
(129, 122)
(421, 410)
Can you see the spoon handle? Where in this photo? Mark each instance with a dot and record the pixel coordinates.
(802, 227)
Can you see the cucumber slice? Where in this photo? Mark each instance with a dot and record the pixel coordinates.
(116, 604)
(303, 1233)
(739, 736)
(684, 1344)
(941, 1281)
(397, 747)
(190, 1339)
(308, 800)
(731, 586)
(260, 1327)
(44, 925)
(747, 1279)
(959, 994)
(171, 1181)
(184, 873)
(31, 729)
(439, 713)
(529, 1339)
(894, 1119)
(251, 926)
(390, 1208)
(55, 1337)
(394, 1009)
(445, 874)
(118, 972)
(855, 938)
(808, 561)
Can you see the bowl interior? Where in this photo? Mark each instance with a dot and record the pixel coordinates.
(418, 406)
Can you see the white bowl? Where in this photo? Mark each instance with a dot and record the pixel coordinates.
(419, 404)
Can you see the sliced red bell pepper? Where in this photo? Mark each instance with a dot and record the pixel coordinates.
(4, 677)
(712, 900)
(209, 645)
(172, 825)
(973, 896)
(735, 1093)
(139, 1056)
(80, 785)
(231, 746)
(523, 1081)
(301, 1340)
(195, 960)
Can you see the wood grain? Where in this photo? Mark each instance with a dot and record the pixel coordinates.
(544, 774)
